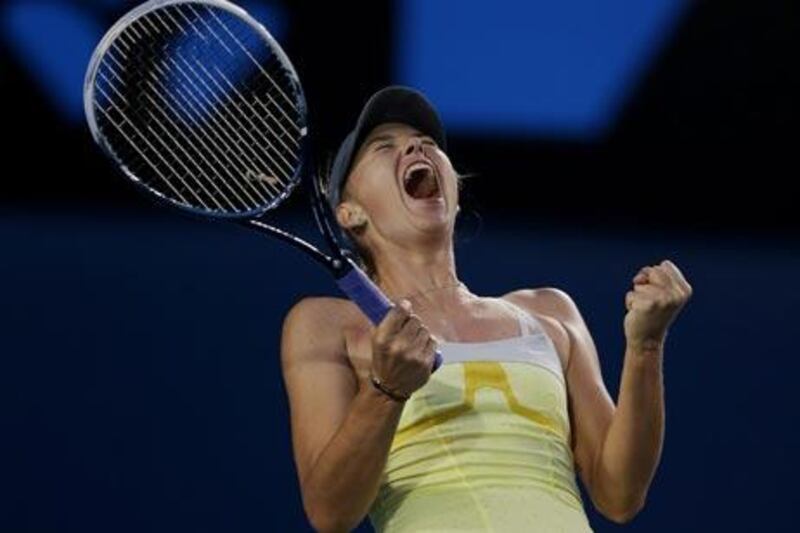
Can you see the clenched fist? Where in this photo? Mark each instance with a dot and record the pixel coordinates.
(403, 350)
(659, 293)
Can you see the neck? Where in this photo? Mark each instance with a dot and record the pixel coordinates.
(425, 276)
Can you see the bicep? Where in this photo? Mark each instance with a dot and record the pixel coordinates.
(319, 382)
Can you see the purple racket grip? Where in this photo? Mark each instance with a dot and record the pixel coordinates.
(369, 298)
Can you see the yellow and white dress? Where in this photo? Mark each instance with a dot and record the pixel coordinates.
(484, 445)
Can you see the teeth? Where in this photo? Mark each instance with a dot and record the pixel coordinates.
(430, 174)
(415, 166)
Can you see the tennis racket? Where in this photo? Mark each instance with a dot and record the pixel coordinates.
(200, 107)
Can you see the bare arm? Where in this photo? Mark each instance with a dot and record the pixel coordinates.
(345, 480)
(631, 450)
(618, 448)
(341, 432)
(593, 412)
(632, 447)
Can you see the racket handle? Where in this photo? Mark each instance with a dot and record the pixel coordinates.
(369, 298)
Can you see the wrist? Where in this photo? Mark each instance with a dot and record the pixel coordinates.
(646, 345)
(387, 391)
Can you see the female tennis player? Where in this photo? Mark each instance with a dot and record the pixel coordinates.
(492, 440)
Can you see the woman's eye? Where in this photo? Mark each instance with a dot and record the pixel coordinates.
(384, 146)
(429, 142)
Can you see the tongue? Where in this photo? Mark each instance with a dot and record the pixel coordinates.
(421, 185)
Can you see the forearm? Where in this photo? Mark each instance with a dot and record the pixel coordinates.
(345, 479)
(632, 447)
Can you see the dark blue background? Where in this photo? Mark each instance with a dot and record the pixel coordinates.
(142, 367)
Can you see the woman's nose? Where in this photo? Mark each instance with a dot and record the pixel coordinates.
(414, 144)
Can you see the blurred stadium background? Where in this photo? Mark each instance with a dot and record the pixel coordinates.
(140, 370)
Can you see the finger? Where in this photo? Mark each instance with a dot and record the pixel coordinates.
(659, 277)
(417, 344)
(394, 320)
(642, 293)
(640, 301)
(643, 276)
(653, 291)
(429, 350)
(410, 330)
(677, 275)
(409, 340)
(629, 296)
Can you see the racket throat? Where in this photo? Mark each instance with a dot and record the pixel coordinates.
(332, 264)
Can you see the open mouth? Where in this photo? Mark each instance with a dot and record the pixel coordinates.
(420, 181)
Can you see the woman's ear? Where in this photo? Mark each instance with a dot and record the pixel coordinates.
(350, 215)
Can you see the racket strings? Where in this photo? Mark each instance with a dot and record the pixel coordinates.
(201, 104)
(202, 87)
(288, 101)
(240, 41)
(196, 136)
(145, 126)
(179, 146)
(268, 78)
(267, 86)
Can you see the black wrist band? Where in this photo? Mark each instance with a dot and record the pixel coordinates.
(391, 394)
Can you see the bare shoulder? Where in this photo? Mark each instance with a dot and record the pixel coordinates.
(315, 325)
(555, 309)
(549, 301)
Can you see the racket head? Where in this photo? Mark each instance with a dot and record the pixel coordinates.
(199, 106)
